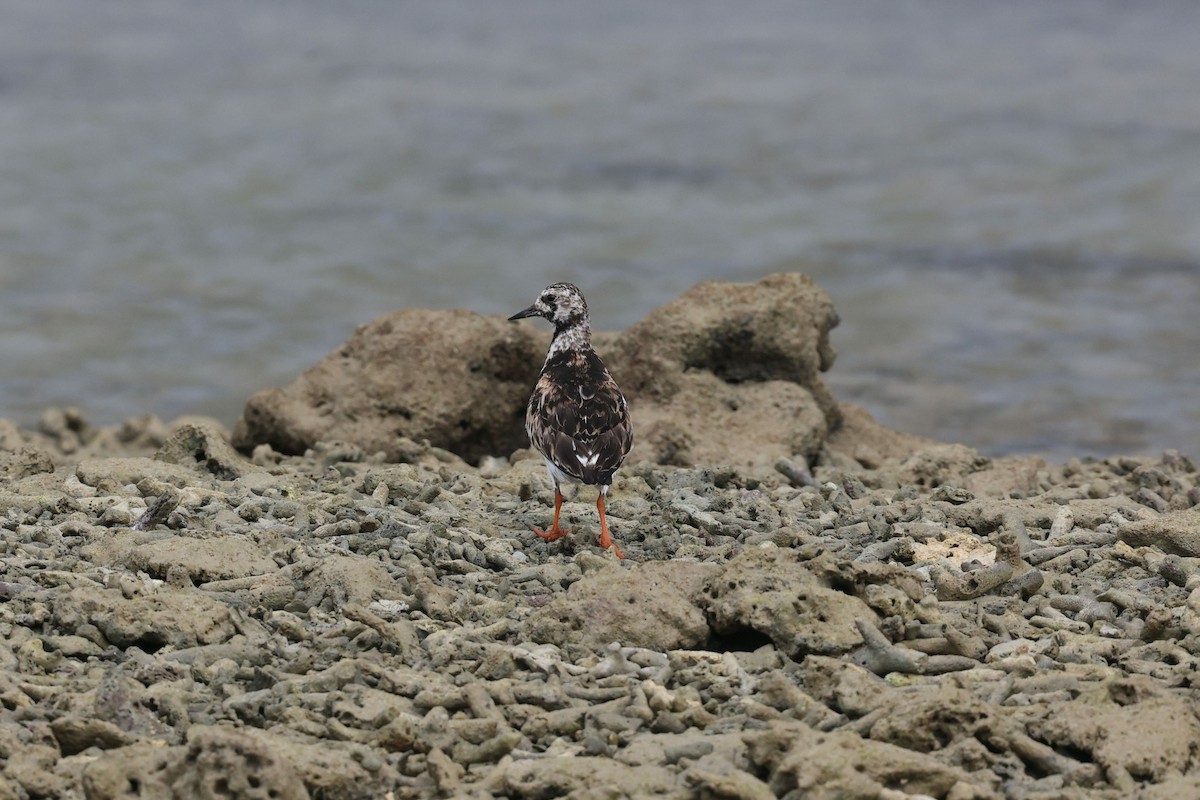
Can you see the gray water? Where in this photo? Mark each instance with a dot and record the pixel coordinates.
(199, 198)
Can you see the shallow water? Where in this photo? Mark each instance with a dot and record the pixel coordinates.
(202, 198)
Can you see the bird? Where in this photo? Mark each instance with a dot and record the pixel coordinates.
(577, 418)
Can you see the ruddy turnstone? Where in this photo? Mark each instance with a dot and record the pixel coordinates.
(577, 417)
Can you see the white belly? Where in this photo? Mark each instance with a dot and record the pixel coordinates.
(557, 475)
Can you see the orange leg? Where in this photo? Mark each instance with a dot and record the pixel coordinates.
(555, 533)
(605, 539)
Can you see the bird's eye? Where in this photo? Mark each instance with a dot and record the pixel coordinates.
(548, 300)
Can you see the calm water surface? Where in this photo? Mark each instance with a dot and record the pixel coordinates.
(202, 197)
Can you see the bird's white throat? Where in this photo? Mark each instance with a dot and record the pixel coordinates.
(572, 337)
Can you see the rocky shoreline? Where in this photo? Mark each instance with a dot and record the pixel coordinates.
(812, 606)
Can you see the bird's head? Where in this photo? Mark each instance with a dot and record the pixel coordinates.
(561, 303)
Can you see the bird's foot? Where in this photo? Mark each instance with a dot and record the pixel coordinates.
(554, 534)
(607, 542)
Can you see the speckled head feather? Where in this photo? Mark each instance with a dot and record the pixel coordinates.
(562, 304)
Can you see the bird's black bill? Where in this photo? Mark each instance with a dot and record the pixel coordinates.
(528, 312)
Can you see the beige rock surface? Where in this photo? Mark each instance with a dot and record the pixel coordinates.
(456, 378)
(651, 605)
(1175, 532)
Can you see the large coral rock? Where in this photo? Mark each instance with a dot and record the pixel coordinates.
(1150, 740)
(771, 593)
(583, 776)
(221, 762)
(217, 763)
(711, 421)
(204, 447)
(1176, 532)
(456, 378)
(802, 762)
(150, 621)
(201, 560)
(762, 594)
(731, 373)
(725, 373)
(649, 605)
(774, 329)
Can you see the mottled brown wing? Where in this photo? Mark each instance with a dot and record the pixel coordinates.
(578, 418)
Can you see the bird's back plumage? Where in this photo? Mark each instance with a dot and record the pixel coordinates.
(577, 417)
